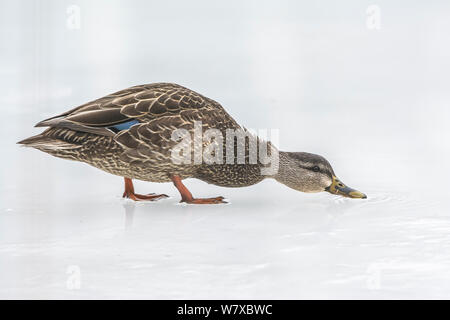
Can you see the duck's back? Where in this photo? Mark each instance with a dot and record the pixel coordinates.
(129, 133)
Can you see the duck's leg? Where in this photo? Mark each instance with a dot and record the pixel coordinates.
(129, 193)
(186, 195)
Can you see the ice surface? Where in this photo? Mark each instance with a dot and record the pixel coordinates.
(374, 103)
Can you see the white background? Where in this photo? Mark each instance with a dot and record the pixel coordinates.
(374, 102)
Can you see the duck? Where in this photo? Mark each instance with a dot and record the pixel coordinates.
(130, 133)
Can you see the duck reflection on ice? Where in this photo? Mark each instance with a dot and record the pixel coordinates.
(129, 213)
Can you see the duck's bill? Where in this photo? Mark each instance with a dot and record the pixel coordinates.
(337, 187)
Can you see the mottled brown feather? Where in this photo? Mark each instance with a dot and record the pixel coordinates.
(144, 150)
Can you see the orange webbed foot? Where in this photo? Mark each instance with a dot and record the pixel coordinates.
(130, 194)
(216, 200)
(144, 197)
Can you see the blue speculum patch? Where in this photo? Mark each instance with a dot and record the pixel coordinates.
(124, 125)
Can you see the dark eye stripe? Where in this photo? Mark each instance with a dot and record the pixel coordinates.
(308, 167)
(323, 171)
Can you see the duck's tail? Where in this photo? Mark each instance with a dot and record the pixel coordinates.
(47, 143)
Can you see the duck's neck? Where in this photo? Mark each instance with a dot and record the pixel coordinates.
(290, 174)
(284, 166)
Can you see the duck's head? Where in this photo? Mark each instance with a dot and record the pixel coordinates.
(308, 172)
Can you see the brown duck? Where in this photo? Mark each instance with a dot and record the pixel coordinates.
(129, 134)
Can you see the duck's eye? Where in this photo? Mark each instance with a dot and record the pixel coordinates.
(316, 169)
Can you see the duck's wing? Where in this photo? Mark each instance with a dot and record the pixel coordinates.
(161, 111)
(95, 116)
(143, 118)
(154, 140)
(142, 103)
